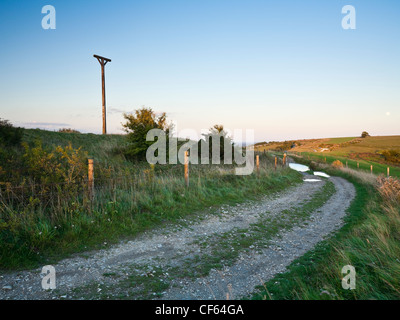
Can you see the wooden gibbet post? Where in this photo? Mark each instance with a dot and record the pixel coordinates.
(90, 179)
(103, 61)
(258, 163)
(187, 168)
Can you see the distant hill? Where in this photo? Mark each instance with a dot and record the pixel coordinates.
(372, 148)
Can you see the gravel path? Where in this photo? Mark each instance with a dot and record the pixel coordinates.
(174, 244)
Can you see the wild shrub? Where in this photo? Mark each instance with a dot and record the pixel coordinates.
(337, 164)
(68, 130)
(392, 156)
(216, 133)
(313, 166)
(10, 141)
(287, 145)
(60, 165)
(137, 125)
(44, 174)
(9, 135)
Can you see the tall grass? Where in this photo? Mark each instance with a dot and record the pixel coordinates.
(48, 223)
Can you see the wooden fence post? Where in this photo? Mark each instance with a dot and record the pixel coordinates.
(372, 169)
(187, 168)
(388, 172)
(90, 179)
(276, 162)
(358, 165)
(258, 163)
(284, 159)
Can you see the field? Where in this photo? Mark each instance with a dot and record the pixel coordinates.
(358, 153)
(339, 140)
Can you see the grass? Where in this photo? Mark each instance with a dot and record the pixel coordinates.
(217, 251)
(364, 165)
(100, 147)
(338, 140)
(364, 150)
(371, 145)
(132, 199)
(369, 241)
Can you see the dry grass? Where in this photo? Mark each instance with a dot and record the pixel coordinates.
(362, 176)
(389, 189)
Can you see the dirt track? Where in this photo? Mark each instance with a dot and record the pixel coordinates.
(161, 258)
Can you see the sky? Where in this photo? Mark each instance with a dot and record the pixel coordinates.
(285, 69)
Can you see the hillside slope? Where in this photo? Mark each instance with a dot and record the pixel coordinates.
(368, 149)
(101, 147)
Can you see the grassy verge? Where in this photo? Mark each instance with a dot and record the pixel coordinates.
(123, 207)
(369, 241)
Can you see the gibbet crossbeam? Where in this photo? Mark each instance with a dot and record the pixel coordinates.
(103, 61)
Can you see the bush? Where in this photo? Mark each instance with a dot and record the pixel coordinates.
(68, 130)
(286, 145)
(9, 135)
(391, 156)
(137, 126)
(313, 166)
(216, 133)
(365, 134)
(10, 141)
(61, 165)
(337, 164)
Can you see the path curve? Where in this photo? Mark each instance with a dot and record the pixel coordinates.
(172, 244)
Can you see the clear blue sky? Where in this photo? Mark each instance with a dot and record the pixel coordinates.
(284, 68)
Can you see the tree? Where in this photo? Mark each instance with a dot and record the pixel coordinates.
(216, 133)
(365, 134)
(137, 126)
